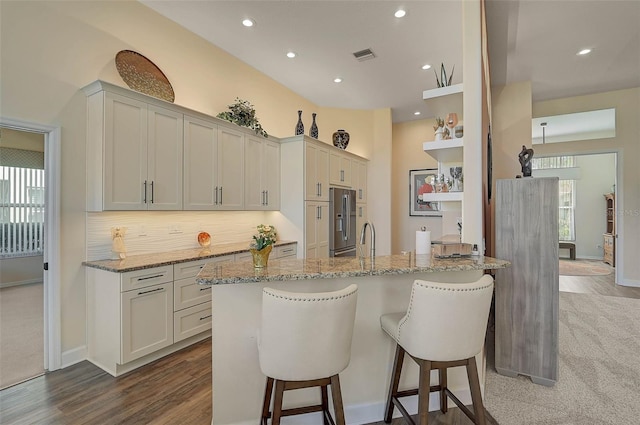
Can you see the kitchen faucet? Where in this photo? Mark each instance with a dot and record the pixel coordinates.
(373, 239)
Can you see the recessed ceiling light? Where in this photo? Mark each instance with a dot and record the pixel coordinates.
(427, 66)
(416, 113)
(337, 80)
(291, 55)
(247, 22)
(584, 52)
(399, 13)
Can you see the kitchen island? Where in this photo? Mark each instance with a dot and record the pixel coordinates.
(384, 286)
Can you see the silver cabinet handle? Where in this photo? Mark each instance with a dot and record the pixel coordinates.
(360, 212)
(317, 213)
(267, 194)
(152, 191)
(149, 277)
(205, 317)
(360, 193)
(144, 191)
(216, 196)
(205, 289)
(318, 189)
(220, 195)
(341, 175)
(153, 290)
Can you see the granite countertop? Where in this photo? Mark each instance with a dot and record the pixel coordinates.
(147, 261)
(327, 268)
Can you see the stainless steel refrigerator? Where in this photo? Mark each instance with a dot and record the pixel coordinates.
(342, 222)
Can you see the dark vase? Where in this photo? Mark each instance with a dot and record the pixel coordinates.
(341, 139)
(313, 132)
(299, 125)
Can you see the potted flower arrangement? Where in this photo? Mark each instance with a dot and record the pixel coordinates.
(262, 245)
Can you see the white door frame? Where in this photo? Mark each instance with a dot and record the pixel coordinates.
(51, 278)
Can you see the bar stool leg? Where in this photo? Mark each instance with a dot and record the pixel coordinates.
(424, 391)
(325, 404)
(476, 395)
(442, 373)
(395, 381)
(267, 400)
(277, 402)
(336, 395)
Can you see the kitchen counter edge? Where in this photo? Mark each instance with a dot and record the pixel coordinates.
(149, 261)
(331, 268)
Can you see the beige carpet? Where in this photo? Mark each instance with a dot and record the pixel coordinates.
(584, 268)
(599, 374)
(21, 333)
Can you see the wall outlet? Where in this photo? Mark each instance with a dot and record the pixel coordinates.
(598, 246)
(175, 229)
(142, 230)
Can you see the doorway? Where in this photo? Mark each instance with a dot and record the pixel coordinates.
(585, 181)
(28, 222)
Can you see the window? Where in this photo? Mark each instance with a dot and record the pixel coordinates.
(566, 193)
(22, 196)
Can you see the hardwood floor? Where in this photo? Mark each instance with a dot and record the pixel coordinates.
(175, 389)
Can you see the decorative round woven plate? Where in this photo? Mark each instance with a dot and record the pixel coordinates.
(144, 76)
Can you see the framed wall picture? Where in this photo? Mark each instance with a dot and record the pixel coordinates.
(419, 185)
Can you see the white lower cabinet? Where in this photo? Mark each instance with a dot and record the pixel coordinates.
(147, 320)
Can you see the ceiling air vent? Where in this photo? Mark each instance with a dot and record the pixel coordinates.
(364, 55)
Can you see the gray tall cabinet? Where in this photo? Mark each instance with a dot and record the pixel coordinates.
(526, 295)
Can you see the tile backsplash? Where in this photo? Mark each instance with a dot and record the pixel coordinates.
(159, 231)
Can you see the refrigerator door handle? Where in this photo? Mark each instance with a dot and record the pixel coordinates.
(346, 204)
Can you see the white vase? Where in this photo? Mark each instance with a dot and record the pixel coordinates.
(439, 133)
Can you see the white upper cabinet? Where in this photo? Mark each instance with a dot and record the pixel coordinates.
(316, 162)
(262, 174)
(230, 185)
(359, 180)
(142, 164)
(214, 165)
(339, 169)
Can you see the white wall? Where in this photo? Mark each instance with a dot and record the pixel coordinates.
(598, 175)
(21, 270)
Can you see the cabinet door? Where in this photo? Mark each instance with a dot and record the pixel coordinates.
(125, 153)
(361, 218)
(316, 230)
(147, 321)
(254, 191)
(200, 164)
(359, 180)
(164, 159)
(316, 173)
(271, 175)
(188, 293)
(230, 185)
(339, 169)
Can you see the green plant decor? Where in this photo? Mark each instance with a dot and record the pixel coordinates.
(443, 81)
(243, 114)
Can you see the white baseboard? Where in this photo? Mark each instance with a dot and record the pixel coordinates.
(371, 412)
(588, 257)
(73, 356)
(630, 282)
(20, 282)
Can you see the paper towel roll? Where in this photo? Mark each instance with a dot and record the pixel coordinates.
(423, 242)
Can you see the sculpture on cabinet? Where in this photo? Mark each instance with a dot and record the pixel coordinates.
(525, 157)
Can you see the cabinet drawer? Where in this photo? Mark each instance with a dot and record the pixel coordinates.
(191, 268)
(191, 321)
(286, 251)
(147, 277)
(241, 256)
(187, 293)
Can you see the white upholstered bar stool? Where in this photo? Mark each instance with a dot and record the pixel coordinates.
(305, 341)
(444, 326)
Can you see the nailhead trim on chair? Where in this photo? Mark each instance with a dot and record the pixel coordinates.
(310, 299)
